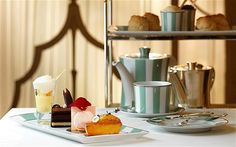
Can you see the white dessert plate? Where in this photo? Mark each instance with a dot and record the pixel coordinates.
(192, 126)
(149, 115)
(123, 30)
(30, 121)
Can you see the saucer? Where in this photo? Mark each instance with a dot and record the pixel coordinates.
(192, 126)
(150, 115)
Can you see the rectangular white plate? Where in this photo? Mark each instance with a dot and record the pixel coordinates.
(29, 120)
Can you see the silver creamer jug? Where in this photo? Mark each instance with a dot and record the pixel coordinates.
(192, 83)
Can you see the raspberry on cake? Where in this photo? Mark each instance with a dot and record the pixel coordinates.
(104, 124)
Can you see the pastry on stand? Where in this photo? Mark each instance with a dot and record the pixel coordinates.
(216, 22)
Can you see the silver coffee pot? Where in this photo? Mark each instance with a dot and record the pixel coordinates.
(192, 83)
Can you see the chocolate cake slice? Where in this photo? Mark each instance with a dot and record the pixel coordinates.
(60, 117)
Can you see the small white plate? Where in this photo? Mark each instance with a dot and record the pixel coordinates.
(30, 121)
(193, 126)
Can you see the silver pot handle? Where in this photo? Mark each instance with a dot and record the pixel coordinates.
(172, 61)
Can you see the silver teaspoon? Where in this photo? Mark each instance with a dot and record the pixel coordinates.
(216, 117)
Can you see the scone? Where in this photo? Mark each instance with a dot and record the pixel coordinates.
(213, 23)
(138, 23)
(153, 21)
(104, 124)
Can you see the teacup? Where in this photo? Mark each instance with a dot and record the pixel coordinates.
(152, 97)
(188, 18)
(171, 19)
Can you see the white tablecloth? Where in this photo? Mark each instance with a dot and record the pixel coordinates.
(14, 134)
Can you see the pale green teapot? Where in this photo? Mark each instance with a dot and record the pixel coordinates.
(143, 66)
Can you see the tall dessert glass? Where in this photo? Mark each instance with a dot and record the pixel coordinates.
(44, 88)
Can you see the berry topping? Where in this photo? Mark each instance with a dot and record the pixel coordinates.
(81, 103)
(117, 110)
(109, 113)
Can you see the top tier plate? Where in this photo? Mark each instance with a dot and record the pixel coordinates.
(122, 33)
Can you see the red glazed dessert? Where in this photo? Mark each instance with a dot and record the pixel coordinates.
(81, 113)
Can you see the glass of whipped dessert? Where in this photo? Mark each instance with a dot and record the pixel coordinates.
(44, 88)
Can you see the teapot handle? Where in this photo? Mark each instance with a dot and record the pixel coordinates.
(212, 79)
(172, 61)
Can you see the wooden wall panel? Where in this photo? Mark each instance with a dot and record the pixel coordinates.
(230, 87)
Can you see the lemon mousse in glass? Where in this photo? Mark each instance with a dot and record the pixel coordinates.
(44, 88)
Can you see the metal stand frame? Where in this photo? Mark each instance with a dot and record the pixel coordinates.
(108, 54)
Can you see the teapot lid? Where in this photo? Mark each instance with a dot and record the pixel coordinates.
(189, 66)
(144, 54)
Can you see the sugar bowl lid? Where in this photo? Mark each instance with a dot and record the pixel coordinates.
(144, 54)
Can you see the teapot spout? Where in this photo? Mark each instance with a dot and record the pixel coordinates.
(178, 88)
(127, 81)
